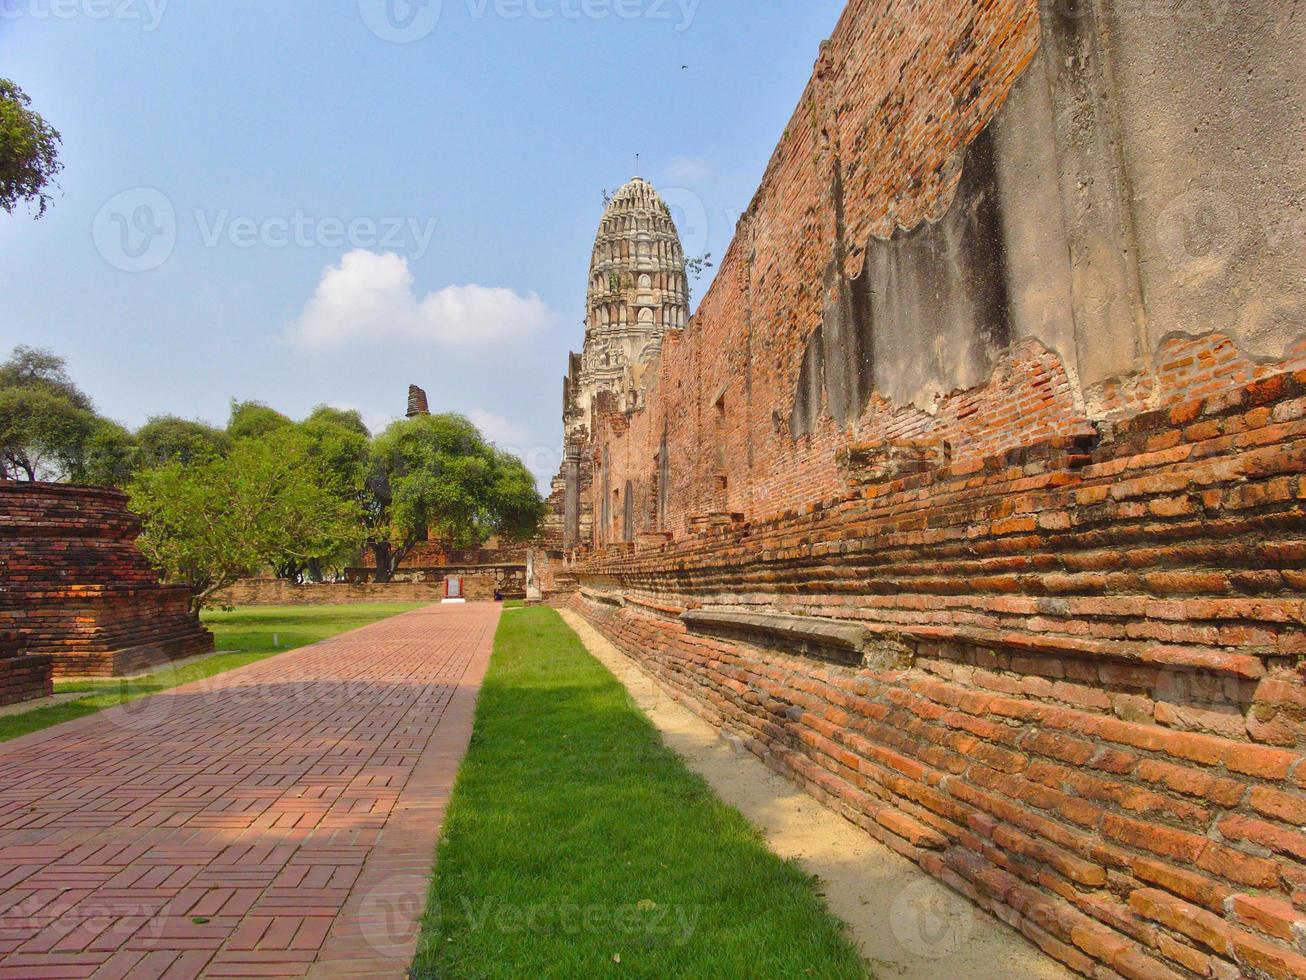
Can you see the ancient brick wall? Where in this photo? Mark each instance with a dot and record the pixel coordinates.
(74, 583)
(435, 555)
(1076, 693)
(478, 586)
(972, 496)
(934, 253)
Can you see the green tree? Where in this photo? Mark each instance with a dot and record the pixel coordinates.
(254, 419)
(110, 455)
(436, 476)
(29, 152)
(34, 367)
(48, 427)
(167, 438)
(209, 523)
(338, 444)
(42, 436)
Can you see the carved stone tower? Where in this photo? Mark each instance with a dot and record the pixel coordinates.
(637, 292)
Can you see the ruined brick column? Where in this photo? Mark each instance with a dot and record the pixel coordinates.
(74, 583)
(417, 404)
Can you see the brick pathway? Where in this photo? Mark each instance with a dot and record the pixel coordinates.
(278, 820)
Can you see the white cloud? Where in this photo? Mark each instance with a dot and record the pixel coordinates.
(369, 297)
(688, 169)
(499, 430)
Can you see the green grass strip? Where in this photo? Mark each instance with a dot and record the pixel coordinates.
(254, 632)
(577, 844)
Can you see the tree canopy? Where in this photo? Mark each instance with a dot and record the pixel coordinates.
(435, 476)
(167, 439)
(29, 152)
(254, 419)
(46, 421)
(42, 436)
(209, 523)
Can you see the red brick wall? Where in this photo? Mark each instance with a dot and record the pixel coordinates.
(74, 583)
(1083, 703)
(1101, 732)
(898, 95)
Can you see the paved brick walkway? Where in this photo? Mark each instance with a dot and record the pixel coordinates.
(278, 820)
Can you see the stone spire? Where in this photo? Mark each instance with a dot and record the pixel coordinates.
(637, 292)
(417, 402)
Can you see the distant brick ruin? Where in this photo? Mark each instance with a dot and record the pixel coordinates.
(417, 404)
(76, 589)
(972, 497)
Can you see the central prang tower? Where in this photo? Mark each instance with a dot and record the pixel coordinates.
(637, 292)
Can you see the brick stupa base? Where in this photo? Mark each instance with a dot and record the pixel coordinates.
(74, 583)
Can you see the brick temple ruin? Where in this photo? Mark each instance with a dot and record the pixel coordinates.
(971, 498)
(77, 597)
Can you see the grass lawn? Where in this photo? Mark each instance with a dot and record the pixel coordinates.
(250, 632)
(577, 844)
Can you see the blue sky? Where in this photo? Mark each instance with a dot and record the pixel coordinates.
(305, 201)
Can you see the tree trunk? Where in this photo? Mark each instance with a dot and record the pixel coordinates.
(381, 552)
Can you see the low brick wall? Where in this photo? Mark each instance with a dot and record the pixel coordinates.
(279, 592)
(1065, 680)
